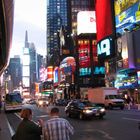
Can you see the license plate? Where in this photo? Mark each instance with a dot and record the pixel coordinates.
(97, 114)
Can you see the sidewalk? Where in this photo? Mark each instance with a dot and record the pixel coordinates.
(5, 132)
(133, 107)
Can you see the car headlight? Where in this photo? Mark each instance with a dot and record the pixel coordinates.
(41, 102)
(87, 111)
(47, 102)
(102, 109)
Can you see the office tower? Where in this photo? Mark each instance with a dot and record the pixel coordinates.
(56, 18)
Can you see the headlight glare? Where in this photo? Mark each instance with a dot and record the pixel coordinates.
(102, 109)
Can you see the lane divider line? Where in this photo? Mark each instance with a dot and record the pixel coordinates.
(12, 132)
(130, 119)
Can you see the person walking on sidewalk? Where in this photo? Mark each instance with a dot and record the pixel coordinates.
(27, 129)
(57, 128)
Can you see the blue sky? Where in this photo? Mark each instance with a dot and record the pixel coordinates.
(29, 15)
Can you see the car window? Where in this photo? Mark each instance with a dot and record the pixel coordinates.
(81, 105)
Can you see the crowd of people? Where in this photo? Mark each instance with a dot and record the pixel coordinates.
(56, 128)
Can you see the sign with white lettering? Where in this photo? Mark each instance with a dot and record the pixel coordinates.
(105, 48)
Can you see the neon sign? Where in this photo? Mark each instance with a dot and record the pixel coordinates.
(104, 47)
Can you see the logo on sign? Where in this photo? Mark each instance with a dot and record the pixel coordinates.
(104, 47)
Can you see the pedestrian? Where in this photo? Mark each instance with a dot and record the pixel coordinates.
(27, 129)
(57, 128)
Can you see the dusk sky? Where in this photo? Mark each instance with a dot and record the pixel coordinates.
(29, 15)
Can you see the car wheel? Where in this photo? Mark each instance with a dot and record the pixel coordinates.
(81, 116)
(101, 117)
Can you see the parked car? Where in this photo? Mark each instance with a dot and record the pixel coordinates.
(84, 109)
(41, 102)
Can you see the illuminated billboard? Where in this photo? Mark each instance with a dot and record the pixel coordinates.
(56, 75)
(26, 81)
(127, 15)
(84, 53)
(103, 19)
(26, 71)
(105, 48)
(26, 60)
(86, 22)
(49, 73)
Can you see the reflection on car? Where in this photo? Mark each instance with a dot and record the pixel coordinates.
(61, 102)
(41, 102)
(84, 109)
(31, 101)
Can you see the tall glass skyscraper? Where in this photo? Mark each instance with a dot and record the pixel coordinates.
(56, 18)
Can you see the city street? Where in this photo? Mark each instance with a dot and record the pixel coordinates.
(116, 125)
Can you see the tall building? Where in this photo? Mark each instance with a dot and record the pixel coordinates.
(15, 72)
(26, 64)
(56, 18)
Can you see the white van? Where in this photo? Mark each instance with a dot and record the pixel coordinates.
(106, 95)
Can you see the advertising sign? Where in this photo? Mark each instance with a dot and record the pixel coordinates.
(105, 48)
(86, 22)
(84, 53)
(127, 15)
(56, 75)
(103, 19)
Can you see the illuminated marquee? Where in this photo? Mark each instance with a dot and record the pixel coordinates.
(104, 48)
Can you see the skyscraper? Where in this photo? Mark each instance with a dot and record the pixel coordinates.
(56, 18)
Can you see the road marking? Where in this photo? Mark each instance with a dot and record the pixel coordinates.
(130, 119)
(18, 116)
(105, 135)
(42, 116)
(12, 132)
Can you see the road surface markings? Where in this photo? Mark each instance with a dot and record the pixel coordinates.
(130, 119)
(12, 132)
(103, 133)
(42, 116)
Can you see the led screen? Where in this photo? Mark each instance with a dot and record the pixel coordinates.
(138, 75)
(127, 15)
(26, 71)
(89, 24)
(26, 60)
(103, 19)
(84, 53)
(105, 48)
(26, 81)
(56, 75)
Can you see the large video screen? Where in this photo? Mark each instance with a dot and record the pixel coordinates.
(103, 19)
(84, 53)
(127, 15)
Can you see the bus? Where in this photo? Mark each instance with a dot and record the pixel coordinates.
(13, 101)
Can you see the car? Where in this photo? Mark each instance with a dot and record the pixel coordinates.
(31, 101)
(41, 102)
(84, 109)
(61, 102)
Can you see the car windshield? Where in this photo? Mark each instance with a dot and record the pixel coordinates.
(44, 99)
(114, 97)
(14, 98)
(86, 104)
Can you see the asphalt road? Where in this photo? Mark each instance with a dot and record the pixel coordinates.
(116, 125)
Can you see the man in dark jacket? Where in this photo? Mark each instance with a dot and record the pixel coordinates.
(27, 129)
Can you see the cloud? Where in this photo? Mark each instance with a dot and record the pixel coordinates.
(29, 15)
